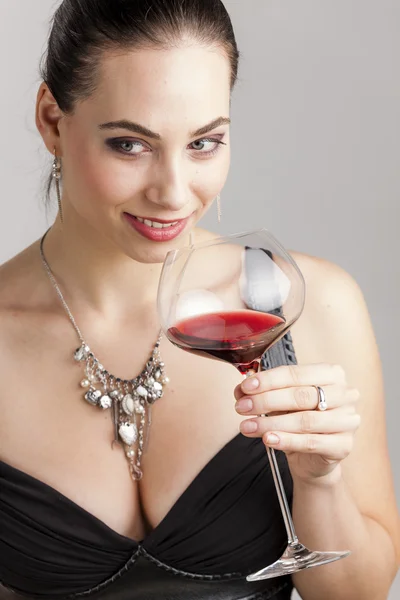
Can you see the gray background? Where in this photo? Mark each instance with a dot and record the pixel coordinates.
(315, 143)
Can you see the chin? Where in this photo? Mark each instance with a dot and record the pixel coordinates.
(150, 258)
(150, 252)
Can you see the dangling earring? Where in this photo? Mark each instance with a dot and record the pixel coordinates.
(219, 211)
(57, 177)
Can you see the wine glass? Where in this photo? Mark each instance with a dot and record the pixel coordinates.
(231, 298)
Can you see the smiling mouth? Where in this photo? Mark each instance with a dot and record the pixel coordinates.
(157, 230)
(157, 224)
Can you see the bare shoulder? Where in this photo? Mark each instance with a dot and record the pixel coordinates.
(21, 292)
(327, 282)
(16, 274)
(28, 332)
(335, 307)
(335, 326)
(18, 278)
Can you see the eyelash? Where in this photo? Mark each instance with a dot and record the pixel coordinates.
(115, 144)
(217, 141)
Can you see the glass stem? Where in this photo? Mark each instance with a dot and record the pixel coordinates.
(280, 490)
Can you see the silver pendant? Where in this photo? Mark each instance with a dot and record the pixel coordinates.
(115, 423)
(128, 404)
(139, 408)
(105, 402)
(82, 353)
(128, 433)
(129, 400)
(142, 392)
(93, 397)
(136, 472)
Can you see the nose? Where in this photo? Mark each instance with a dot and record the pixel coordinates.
(169, 188)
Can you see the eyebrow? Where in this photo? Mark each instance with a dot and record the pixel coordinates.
(141, 130)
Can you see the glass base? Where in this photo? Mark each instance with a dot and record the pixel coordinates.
(296, 558)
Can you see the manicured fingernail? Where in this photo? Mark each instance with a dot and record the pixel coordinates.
(250, 384)
(244, 405)
(272, 439)
(248, 426)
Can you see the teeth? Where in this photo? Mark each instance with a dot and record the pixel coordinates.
(155, 224)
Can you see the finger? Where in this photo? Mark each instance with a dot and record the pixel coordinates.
(331, 447)
(336, 421)
(296, 399)
(292, 376)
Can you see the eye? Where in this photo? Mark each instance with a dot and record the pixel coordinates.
(128, 147)
(207, 146)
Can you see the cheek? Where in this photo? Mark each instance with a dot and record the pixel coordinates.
(98, 177)
(110, 183)
(207, 184)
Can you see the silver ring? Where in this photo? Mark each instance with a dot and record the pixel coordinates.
(322, 404)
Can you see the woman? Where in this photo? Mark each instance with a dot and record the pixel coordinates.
(134, 106)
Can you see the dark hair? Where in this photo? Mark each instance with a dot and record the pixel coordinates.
(83, 29)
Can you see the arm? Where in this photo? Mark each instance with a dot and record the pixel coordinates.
(328, 518)
(355, 507)
(343, 491)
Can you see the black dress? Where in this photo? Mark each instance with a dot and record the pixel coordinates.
(226, 525)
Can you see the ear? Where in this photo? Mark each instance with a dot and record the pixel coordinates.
(47, 118)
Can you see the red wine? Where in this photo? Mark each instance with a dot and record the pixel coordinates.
(238, 337)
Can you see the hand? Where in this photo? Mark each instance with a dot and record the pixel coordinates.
(314, 441)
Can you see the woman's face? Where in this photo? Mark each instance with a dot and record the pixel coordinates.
(151, 143)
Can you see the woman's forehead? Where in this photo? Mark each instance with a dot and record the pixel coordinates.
(189, 86)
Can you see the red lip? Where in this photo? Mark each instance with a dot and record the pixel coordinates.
(157, 235)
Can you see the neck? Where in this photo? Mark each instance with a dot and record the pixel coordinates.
(93, 272)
